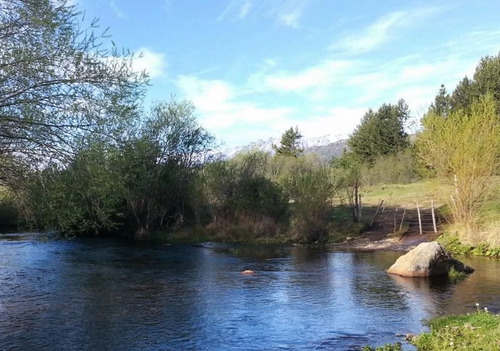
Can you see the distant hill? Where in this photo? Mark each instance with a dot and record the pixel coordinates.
(327, 146)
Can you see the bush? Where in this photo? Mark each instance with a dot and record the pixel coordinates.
(392, 169)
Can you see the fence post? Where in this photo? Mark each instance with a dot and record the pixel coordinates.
(376, 212)
(433, 217)
(395, 225)
(419, 218)
(403, 218)
(360, 207)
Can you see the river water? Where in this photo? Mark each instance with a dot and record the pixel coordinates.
(103, 294)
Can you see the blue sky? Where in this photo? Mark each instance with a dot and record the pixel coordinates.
(253, 68)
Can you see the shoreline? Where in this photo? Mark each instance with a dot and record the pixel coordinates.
(377, 242)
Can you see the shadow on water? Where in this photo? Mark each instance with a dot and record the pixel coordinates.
(107, 294)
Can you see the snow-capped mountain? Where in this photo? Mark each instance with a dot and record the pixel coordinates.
(327, 146)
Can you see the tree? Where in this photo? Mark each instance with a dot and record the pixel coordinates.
(380, 133)
(487, 77)
(308, 186)
(160, 163)
(83, 198)
(463, 94)
(347, 171)
(239, 192)
(289, 144)
(442, 102)
(486, 80)
(464, 150)
(58, 83)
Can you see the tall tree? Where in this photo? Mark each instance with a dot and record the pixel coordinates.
(289, 144)
(486, 80)
(442, 102)
(381, 132)
(159, 165)
(463, 94)
(464, 150)
(58, 83)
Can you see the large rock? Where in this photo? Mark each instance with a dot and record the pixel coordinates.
(427, 260)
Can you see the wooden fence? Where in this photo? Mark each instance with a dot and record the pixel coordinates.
(416, 215)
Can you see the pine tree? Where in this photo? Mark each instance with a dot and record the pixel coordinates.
(289, 144)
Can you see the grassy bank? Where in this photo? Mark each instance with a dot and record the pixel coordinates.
(476, 331)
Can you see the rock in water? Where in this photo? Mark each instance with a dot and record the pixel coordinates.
(427, 260)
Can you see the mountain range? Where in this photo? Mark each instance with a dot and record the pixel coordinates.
(327, 146)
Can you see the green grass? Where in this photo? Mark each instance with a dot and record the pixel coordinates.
(402, 194)
(477, 331)
(388, 347)
(485, 241)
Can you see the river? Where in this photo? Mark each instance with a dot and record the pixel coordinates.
(104, 294)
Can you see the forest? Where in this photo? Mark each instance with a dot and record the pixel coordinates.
(80, 154)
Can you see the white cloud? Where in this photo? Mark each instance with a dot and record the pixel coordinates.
(153, 63)
(337, 121)
(320, 76)
(373, 36)
(118, 12)
(382, 30)
(244, 9)
(221, 107)
(472, 42)
(269, 63)
(290, 19)
(286, 12)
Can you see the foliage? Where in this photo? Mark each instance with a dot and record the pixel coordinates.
(239, 192)
(289, 144)
(83, 198)
(453, 245)
(463, 95)
(9, 217)
(57, 83)
(346, 177)
(486, 80)
(388, 347)
(442, 102)
(142, 184)
(398, 168)
(478, 331)
(381, 132)
(159, 165)
(464, 149)
(309, 189)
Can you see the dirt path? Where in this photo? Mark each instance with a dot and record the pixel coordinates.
(374, 242)
(379, 236)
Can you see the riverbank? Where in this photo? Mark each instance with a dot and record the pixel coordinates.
(472, 331)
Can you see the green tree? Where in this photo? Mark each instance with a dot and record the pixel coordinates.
(58, 83)
(239, 192)
(160, 164)
(381, 132)
(83, 198)
(347, 175)
(487, 77)
(464, 150)
(442, 102)
(308, 186)
(486, 80)
(463, 94)
(289, 144)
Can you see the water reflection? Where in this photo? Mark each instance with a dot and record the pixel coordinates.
(103, 294)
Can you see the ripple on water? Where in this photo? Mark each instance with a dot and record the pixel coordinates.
(104, 294)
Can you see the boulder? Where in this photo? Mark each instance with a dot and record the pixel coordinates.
(427, 260)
